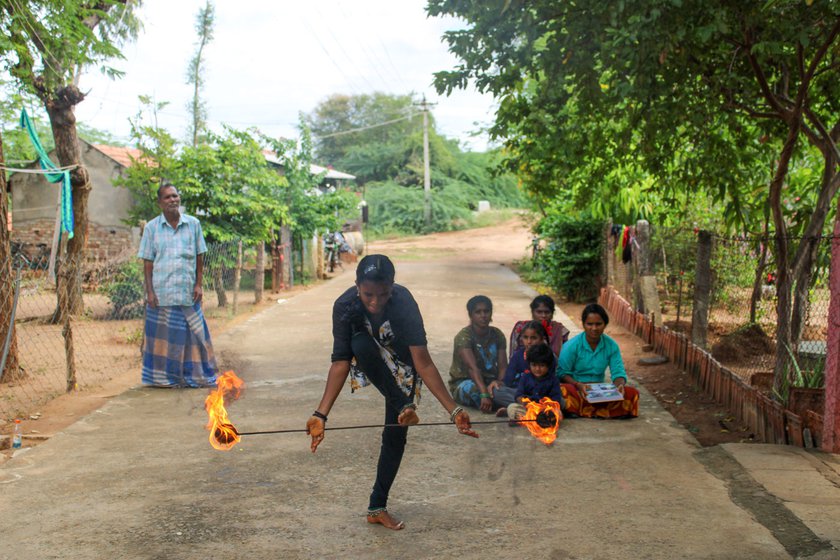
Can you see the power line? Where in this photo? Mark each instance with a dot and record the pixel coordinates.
(133, 63)
(352, 130)
(258, 124)
(350, 82)
(388, 57)
(371, 53)
(341, 47)
(182, 115)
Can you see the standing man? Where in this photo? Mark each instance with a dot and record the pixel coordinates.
(177, 351)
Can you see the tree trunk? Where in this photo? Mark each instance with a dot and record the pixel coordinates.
(219, 285)
(60, 109)
(302, 260)
(802, 284)
(259, 273)
(806, 254)
(11, 370)
(702, 290)
(605, 255)
(69, 356)
(781, 382)
(759, 279)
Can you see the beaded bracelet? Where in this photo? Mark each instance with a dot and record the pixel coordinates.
(320, 415)
(455, 412)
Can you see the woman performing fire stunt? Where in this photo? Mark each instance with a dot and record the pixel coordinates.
(378, 323)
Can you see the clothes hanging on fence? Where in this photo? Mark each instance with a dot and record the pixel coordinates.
(627, 245)
(54, 174)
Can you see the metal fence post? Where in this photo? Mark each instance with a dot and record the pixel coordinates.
(702, 289)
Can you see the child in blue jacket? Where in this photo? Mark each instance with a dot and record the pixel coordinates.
(537, 382)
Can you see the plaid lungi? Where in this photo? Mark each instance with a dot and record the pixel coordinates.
(177, 350)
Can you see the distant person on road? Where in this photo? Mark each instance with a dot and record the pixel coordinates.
(177, 351)
(585, 359)
(377, 323)
(542, 310)
(537, 382)
(479, 357)
(533, 334)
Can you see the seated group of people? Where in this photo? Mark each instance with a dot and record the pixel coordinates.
(540, 361)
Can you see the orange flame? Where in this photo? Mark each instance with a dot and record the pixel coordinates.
(538, 419)
(223, 434)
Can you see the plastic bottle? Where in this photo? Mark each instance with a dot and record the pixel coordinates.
(17, 438)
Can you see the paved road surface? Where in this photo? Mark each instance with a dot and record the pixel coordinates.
(138, 480)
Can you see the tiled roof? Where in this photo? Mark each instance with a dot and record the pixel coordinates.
(120, 154)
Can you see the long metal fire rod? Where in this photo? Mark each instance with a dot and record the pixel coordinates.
(303, 430)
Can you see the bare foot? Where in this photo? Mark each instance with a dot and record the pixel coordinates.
(386, 519)
(408, 417)
(501, 412)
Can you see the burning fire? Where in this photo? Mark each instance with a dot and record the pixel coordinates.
(542, 419)
(223, 434)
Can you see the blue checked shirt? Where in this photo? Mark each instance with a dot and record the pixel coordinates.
(173, 252)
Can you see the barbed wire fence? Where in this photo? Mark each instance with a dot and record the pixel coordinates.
(56, 346)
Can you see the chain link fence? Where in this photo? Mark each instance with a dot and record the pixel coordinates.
(743, 314)
(61, 342)
(742, 317)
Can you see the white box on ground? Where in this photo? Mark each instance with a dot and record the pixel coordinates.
(483, 206)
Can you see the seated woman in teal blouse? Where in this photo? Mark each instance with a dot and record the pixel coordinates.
(584, 359)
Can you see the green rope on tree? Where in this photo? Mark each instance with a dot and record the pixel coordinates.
(58, 175)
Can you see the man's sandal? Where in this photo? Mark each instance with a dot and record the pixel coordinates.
(385, 519)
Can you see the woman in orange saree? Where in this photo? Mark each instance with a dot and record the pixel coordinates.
(584, 360)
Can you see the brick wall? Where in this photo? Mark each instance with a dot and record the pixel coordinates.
(104, 242)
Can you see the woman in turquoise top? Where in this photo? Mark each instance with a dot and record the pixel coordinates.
(585, 359)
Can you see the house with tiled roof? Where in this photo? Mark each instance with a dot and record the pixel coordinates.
(34, 202)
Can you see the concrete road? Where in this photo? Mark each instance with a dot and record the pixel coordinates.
(138, 480)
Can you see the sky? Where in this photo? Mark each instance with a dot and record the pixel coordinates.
(270, 60)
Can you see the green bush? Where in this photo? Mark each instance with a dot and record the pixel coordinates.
(398, 208)
(395, 208)
(476, 170)
(126, 292)
(570, 263)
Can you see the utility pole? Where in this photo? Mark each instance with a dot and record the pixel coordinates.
(427, 176)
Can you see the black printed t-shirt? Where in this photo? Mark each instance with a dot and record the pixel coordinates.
(402, 313)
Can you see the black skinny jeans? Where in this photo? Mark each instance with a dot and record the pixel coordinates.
(393, 438)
